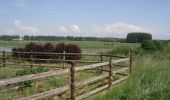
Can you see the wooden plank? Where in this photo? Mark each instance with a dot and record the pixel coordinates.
(52, 53)
(61, 90)
(52, 73)
(100, 64)
(122, 74)
(120, 60)
(83, 96)
(91, 80)
(65, 88)
(92, 92)
(120, 65)
(46, 94)
(33, 76)
(120, 80)
(120, 70)
(91, 66)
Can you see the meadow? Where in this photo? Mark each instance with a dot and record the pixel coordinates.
(148, 81)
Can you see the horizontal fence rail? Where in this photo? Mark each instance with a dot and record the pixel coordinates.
(93, 65)
(52, 73)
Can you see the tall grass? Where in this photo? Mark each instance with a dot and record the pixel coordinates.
(150, 80)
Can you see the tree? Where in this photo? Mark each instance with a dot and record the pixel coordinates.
(138, 37)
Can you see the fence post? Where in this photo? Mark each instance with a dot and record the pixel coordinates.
(31, 57)
(130, 62)
(101, 60)
(4, 58)
(64, 57)
(110, 73)
(73, 80)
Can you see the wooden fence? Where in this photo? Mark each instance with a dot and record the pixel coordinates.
(96, 65)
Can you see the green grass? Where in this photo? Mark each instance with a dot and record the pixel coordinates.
(150, 80)
(82, 44)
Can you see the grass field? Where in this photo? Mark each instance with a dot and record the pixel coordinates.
(150, 79)
(82, 44)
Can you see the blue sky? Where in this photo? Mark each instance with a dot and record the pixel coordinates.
(102, 18)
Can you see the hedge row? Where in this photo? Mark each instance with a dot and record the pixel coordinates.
(153, 45)
(48, 47)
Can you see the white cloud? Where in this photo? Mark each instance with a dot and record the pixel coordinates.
(74, 29)
(62, 29)
(25, 28)
(109, 30)
(71, 29)
(19, 28)
(114, 30)
(118, 28)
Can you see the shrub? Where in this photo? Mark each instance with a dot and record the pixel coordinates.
(149, 45)
(159, 45)
(48, 47)
(14, 50)
(32, 47)
(72, 48)
(60, 48)
(28, 71)
(69, 48)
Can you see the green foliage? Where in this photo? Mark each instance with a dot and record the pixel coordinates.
(124, 50)
(153, 45)
(149, 81)
(159, 45)
(149, 45)
(138, 37)
(28, 71)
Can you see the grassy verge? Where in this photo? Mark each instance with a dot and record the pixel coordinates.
(149, 81)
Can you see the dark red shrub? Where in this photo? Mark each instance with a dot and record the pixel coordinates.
(60, 48)
(69, 48)
(48, 47)
(32, 47)
(72, 48)
(17, 52)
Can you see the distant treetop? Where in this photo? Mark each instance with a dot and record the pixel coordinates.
(138, 37)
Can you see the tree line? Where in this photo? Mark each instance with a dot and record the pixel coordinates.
(59, 38)
(9, 37)
(71, 38)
